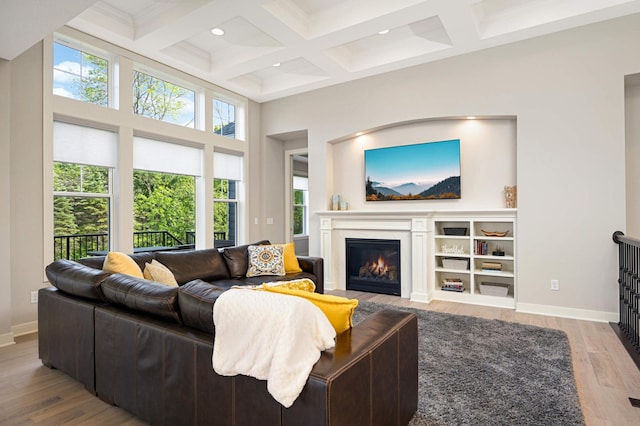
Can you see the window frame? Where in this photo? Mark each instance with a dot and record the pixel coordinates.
(121, 120)
(112, 96)
(231, 201)
(75, 194)
(304, 206)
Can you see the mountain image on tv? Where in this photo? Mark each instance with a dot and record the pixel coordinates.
(426, 171)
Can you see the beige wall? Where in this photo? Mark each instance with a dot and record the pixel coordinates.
(27, 273)
(5, 211)
(567, 93)
(632, 128)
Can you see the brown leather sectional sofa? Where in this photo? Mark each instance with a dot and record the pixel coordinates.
(147, 348)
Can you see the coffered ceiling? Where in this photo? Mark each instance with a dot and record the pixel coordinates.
(275, 48)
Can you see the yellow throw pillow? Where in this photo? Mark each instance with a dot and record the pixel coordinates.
(291, 265)
(304, 284)
(121, 263)
(156, 271)
(339, 310)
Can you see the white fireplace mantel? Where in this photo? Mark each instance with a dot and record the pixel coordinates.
(414, 229)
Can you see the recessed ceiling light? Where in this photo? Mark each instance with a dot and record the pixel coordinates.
(471, 117)
(359, 133)
(217, 31)
(277, 64)
(383, 32)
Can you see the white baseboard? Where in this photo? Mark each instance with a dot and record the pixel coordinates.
(26, 328)
(559, 311)
(6, 340)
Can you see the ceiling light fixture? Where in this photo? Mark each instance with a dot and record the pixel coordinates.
(383, 32)
(217, 31)
(471, 117)
(277, 64)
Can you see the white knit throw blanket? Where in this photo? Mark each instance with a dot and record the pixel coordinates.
(269, 336)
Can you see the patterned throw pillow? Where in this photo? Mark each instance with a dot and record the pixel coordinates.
(265, 260)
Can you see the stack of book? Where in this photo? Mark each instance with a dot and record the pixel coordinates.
(491, 266)
(481, 248)
(452, 284)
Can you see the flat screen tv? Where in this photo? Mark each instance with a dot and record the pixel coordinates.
(424, 171)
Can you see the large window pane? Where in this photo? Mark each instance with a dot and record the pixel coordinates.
(80, 75)
(164, 209)
(80, 212)
(300, 205)
(224, 118)
(164, 101)
(225, 212)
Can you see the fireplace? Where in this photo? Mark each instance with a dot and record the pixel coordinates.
(373, 265)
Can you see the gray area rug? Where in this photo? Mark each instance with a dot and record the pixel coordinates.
(473, 371)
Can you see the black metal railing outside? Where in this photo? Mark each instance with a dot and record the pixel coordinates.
(628, 328)
(155, 239)
(76, 246)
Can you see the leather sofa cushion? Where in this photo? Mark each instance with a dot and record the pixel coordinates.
(77, 279)
(207, 265)
(143, 296)
(237, 258)
(196, 299)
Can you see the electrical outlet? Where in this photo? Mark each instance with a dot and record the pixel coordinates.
(34, 297)
(555, 285)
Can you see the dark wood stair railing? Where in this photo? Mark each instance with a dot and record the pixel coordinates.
(628, 328)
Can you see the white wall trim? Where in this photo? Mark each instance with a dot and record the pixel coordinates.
(6, 340)
(25, 328)
(559, 311)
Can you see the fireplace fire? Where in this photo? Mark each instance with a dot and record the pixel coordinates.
(373, 265)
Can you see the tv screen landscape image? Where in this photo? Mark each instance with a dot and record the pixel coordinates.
(425, 171)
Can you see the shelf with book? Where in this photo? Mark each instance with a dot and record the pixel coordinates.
(483, 255)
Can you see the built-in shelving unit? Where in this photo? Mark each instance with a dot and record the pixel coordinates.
(473, 267)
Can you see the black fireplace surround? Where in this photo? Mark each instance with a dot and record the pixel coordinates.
(373, 265)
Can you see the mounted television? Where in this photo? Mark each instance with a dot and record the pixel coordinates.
(425, 171)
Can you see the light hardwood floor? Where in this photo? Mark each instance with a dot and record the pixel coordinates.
(31, 394)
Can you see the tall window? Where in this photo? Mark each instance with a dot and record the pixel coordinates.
(227, 172)
(225, 212)
(224, 118)
(164, 101)
(83, 160)
(164, 192)
(300, 205)
(80, 75)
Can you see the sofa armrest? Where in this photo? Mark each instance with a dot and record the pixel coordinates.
(315, 266)
(369, 377)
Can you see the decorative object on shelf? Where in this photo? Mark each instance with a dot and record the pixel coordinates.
(492, 266)
(344, 205)
(454, 263)
(430, 171)
(452, 284)
(452, 249)
(335, 202)
(455, 231)
(494, 289)
(494, 233)
(510, 196)
(499, 251)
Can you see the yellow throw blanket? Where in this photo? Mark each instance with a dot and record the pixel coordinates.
(269, 336)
